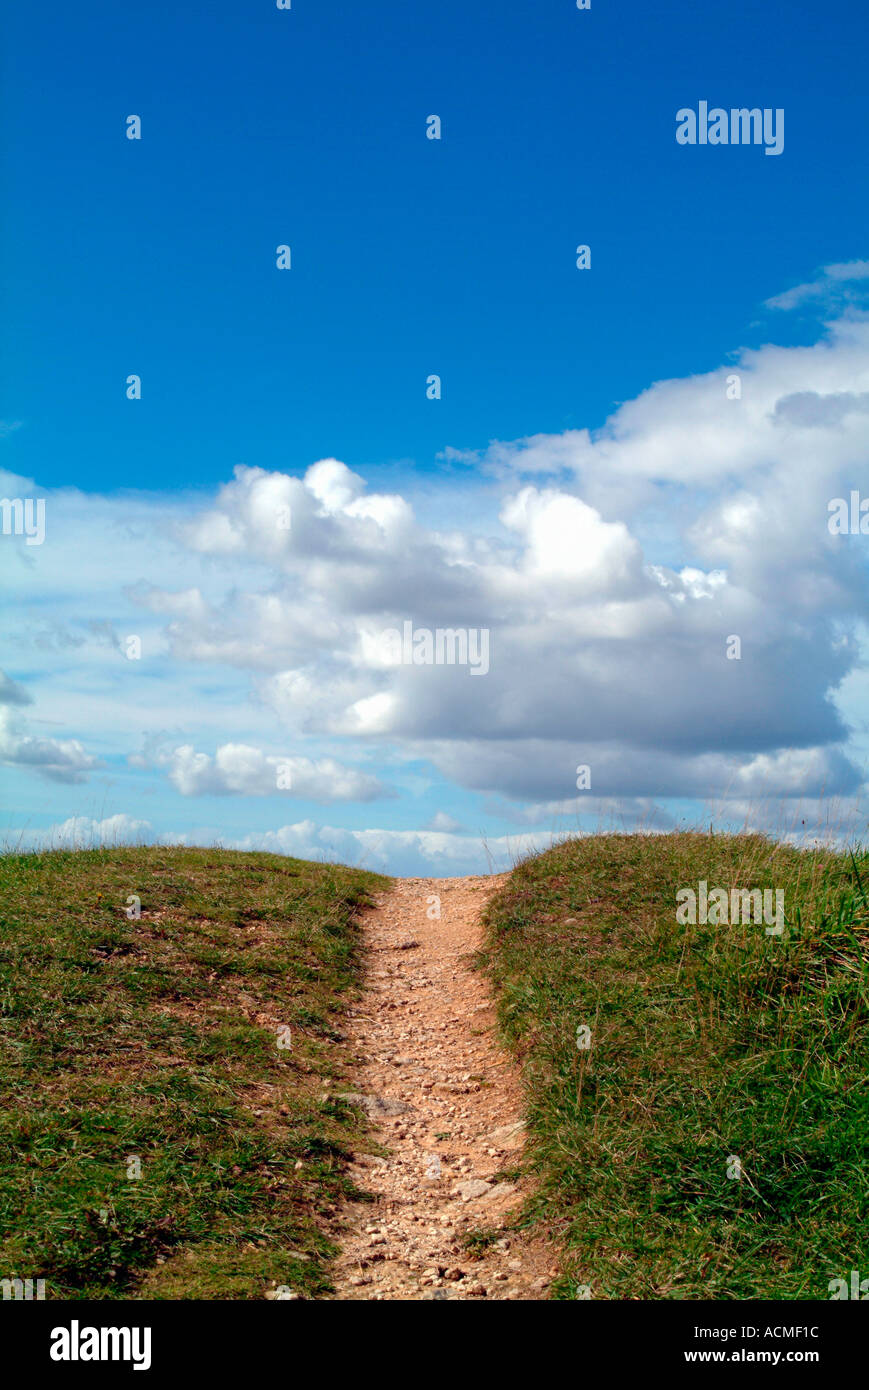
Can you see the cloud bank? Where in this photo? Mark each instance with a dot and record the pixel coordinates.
(665, 603)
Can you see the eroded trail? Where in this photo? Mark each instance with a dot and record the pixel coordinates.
(446, 1103)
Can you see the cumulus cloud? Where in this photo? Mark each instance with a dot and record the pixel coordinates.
(809, 410)
(237, 769)
(434, 853)
(83, 832)
(609, 584)
(439, 852)
(443, 821)
(412, 852)
(545, 771)
(611, 570)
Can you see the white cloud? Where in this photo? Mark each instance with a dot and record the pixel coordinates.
(444, 822)
(566, 539)
(83, 832)
(832, 284)
(60, 760)
(439, 853)
(240, 770)
(412, 852)
(610, 568)
(597, 643)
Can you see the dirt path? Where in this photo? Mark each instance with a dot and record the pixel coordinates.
(446, 1101)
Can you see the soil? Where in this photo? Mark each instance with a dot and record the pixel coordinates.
(445, 1103)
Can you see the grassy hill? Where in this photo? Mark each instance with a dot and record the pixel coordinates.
(698, 1092)
(708, 1044)
(162, 1122)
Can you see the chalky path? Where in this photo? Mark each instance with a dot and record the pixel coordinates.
(446, 1103)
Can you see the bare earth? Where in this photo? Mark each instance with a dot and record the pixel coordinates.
(446, 1103)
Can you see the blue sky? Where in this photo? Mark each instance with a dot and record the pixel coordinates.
(411, 257)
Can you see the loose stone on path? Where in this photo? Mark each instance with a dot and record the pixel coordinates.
(445, 1101)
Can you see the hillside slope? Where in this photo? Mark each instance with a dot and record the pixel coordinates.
(161, 1118)
(173, 1055)
(698, 1092)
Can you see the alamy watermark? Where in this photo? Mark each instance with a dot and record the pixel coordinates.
(855, 1288)
(849, 518)
(717, 907)
(739, 126)
(23, 516)
(77, 1343)
(23, 1290)
(445, 646)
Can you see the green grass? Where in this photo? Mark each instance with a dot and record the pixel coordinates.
(707, 1043)
(157, 1039)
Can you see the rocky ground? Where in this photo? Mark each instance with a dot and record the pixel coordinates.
(446, 1103)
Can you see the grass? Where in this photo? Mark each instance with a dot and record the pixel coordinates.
(708, 1044)
(192, 1046)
